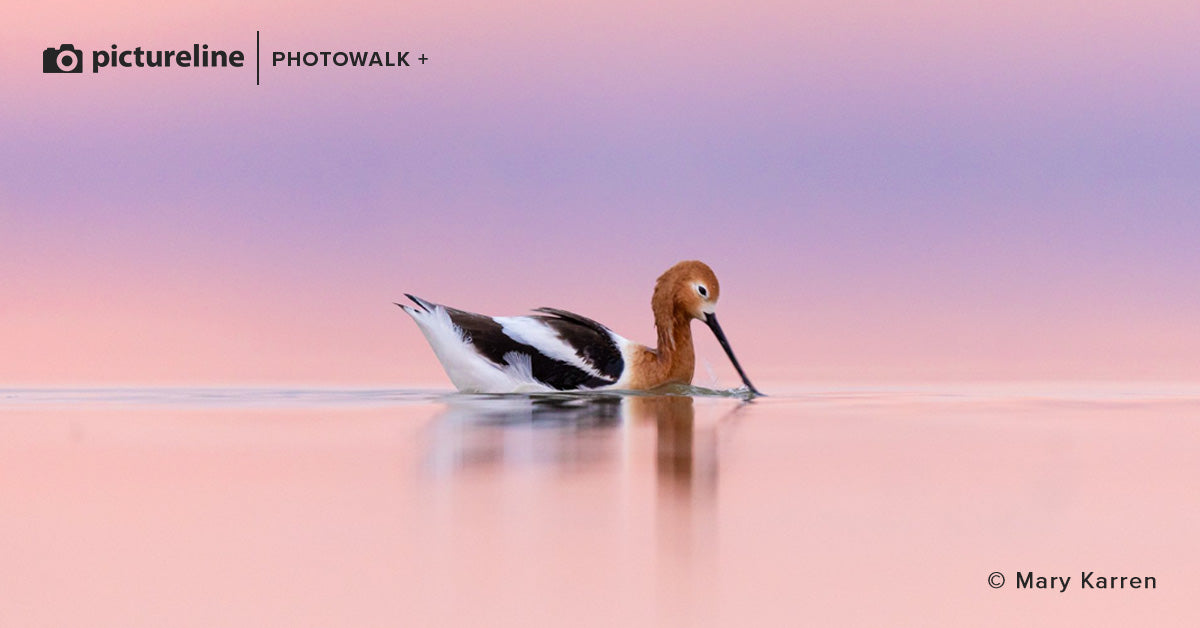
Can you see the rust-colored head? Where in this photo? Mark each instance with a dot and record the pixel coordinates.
(689, 290)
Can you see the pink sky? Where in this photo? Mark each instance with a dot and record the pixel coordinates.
(925, 192)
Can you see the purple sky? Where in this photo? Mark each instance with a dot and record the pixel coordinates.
(933, 192)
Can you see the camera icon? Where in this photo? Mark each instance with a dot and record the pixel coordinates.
(66, 59)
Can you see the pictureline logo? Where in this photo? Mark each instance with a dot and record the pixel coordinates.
(68, 59)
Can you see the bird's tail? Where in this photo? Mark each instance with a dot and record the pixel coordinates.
(425, 306)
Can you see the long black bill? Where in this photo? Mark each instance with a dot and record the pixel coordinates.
(711, 320)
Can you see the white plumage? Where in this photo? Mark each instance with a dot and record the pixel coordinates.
(473, 367)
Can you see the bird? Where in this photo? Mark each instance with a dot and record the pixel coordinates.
(556, 350)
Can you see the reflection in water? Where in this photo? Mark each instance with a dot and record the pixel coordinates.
(612, 511)
(685, 459)
(686, 505)
(503, 437)
(574, 431)
(476, 432)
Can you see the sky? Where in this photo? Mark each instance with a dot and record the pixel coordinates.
(887, 191)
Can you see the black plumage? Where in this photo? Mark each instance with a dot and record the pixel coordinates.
(590, 340)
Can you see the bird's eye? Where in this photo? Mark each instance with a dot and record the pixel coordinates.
(703, 291)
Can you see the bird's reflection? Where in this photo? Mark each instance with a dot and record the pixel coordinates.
(686, 501)
(570, 432)
(477, 433)
(661, 457)
(684, 458)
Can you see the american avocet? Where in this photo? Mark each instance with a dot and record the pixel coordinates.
(558, 350)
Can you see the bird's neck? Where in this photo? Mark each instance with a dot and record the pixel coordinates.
(676, 354)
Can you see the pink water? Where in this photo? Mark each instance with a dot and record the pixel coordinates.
(835, 506)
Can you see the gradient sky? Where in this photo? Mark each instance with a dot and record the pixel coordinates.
(903, 191)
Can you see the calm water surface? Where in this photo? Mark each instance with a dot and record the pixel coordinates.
(834, 506)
